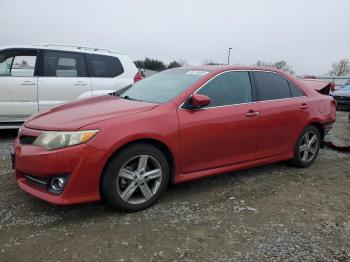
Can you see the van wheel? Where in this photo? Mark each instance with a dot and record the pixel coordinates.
(135, 178)
(307, 147)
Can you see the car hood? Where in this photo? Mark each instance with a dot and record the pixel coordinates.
(72, 116)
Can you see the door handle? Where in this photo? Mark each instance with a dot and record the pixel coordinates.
(304, 106)
(80, 83)
(252, 113)
(28, 83)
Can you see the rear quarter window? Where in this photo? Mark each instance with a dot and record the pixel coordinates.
(104, 66)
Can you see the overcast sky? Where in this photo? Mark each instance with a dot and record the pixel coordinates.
(309, 35)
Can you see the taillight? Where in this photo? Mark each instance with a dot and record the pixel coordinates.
(138, 77)
(332, 88)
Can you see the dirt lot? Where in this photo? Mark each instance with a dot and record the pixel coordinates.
(274, 213)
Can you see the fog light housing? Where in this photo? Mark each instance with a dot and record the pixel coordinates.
(57, 184)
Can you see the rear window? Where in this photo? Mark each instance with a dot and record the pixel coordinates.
(296, 92)
(104, 66)
(164, 86)
(272, 86)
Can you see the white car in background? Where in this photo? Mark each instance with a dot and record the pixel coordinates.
(37, 77)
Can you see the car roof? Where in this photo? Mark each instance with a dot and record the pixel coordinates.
(222, 68)
(63, 47)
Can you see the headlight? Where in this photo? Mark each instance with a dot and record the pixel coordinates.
(53, 140)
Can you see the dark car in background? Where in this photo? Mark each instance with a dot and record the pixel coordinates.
(342, 96)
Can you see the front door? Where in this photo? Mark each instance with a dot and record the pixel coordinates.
(18, 85)
(226, 131)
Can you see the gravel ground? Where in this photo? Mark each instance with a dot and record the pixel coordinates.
(273, 213)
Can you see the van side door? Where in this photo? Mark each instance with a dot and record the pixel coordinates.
(63, 78)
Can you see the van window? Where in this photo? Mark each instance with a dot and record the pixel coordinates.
(64, 64)
(104, 66)
(17, 63)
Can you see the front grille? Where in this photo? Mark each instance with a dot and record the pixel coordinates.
(27, 140)
(38, 181)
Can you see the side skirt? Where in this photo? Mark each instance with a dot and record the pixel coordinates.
(179, 178)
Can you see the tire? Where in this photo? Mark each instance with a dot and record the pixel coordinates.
(306, 151)
(135, 177)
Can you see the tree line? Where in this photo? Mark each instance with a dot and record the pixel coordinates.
(339, 68)
(156, 65)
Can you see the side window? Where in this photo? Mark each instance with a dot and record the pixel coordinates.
(64, 64)
(104, 66)
(296, 92)
(17, 63)
(272, 86)
(228, 88)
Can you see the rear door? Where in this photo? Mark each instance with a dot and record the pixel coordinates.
(283, 112)
(18, 84)
(226, 131)
(107, 73)
(63, 78)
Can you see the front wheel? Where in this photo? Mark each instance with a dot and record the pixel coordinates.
(307, 147)
(135, 178)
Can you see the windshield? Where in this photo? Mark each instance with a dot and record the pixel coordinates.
(347, 87)
(162, 87)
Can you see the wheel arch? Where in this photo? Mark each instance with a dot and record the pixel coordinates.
(152, 141)
(320, 128)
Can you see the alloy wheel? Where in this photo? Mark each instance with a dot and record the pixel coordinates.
(308, 146)
(139, 179)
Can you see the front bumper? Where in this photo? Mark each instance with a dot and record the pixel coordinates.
(83, 164)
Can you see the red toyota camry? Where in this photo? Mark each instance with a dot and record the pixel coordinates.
(174, 126)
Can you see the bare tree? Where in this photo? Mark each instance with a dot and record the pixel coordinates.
(341, 68)
(262, 63)
(210, 62)
(183, 62)
(282, 65)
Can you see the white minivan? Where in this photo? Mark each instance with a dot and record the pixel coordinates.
(37, 77)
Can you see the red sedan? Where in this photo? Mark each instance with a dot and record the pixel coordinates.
(174, 126)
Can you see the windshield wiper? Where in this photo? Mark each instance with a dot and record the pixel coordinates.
(121, 91)
(130, 98)
(127, 97)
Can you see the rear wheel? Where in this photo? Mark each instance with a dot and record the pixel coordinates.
(135, 178)
(307, 147)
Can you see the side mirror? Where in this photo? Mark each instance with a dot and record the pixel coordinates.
(199, 101)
